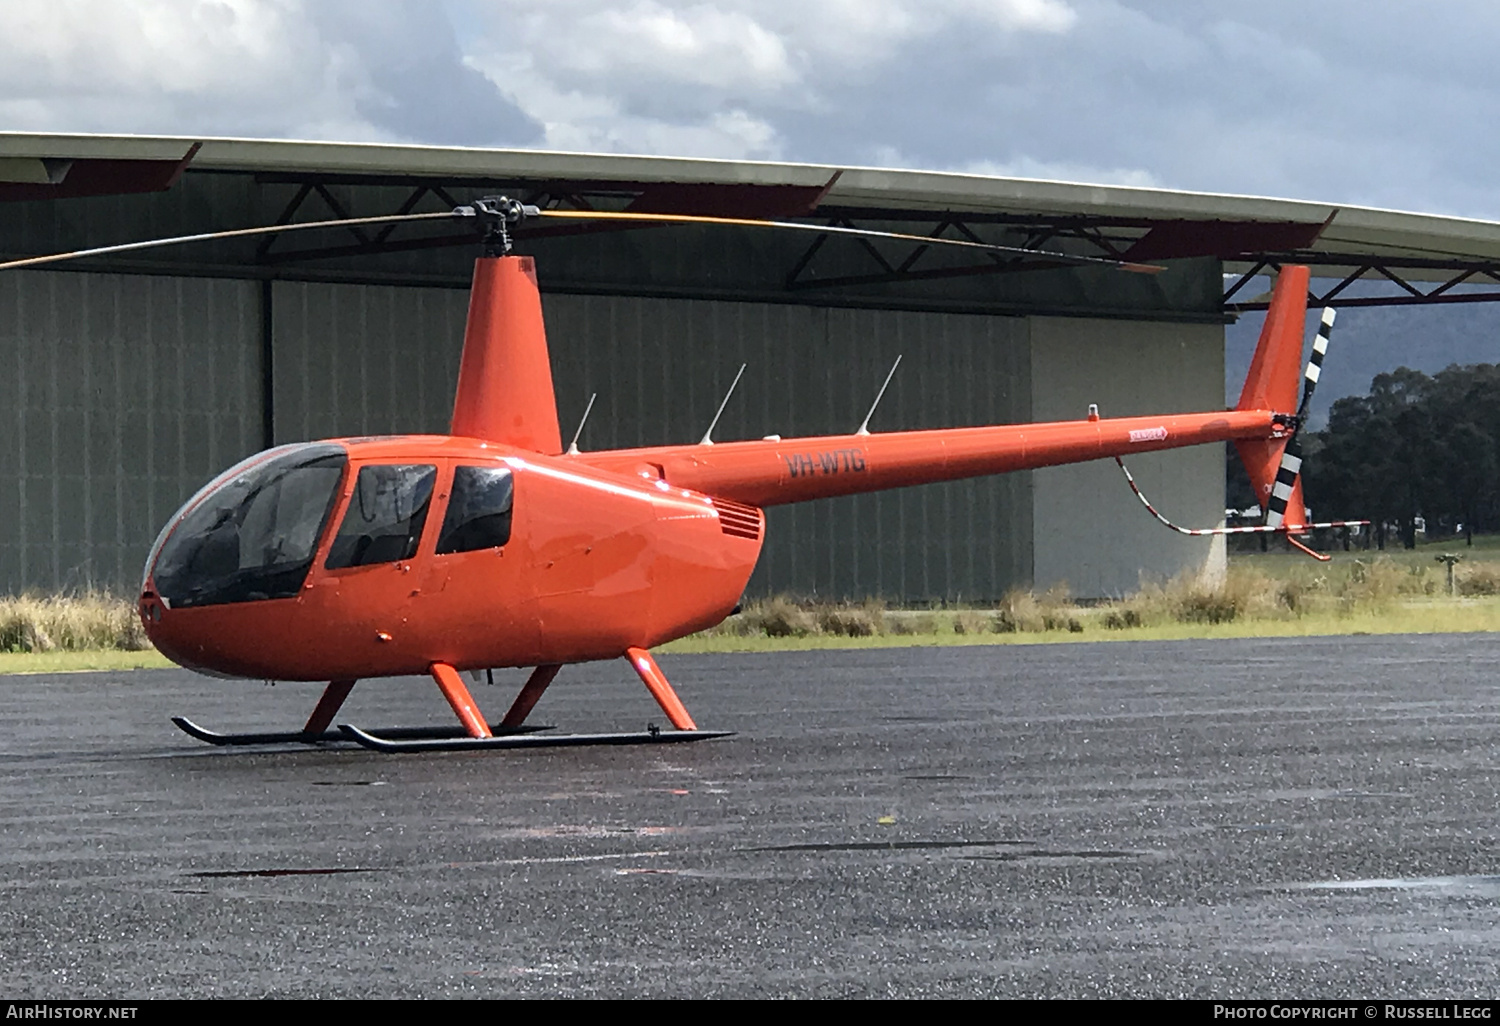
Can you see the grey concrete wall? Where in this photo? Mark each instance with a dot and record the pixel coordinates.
(1091, 532)
(119, 397)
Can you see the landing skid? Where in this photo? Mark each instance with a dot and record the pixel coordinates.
(472, 731)
(294, 737)
(390, 741)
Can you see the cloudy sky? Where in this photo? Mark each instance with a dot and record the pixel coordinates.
(1380, 102)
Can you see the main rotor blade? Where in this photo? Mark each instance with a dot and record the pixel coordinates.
(235, 233)
(611, 215)
(587, 215)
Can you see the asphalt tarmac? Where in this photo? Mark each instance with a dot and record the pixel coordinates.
(1259, 819)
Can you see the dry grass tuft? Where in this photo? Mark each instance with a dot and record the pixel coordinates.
(779, 617)
(783, 617)
(908, 624)
(861, 621)
(1477, 579)
(1379, 583)
(1056, 605)
(972, 621)
(1023, 612)
(88, 621)
(1241, 594)
(1019, 611)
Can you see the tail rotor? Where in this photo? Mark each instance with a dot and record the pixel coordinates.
(1288, 474)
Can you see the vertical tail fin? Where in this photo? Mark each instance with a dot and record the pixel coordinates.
(1272, 385)
(505, 379)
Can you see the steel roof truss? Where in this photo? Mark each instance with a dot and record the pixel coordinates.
(1366, 270)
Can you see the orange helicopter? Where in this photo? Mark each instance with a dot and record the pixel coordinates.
(493, 546)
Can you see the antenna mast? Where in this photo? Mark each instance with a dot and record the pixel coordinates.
(573, 445)
(864, 428)
(708, 435)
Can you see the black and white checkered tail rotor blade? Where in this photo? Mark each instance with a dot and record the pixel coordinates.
(1315, 362)
(1291, 456)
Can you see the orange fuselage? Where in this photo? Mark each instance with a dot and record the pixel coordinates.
(597, 563)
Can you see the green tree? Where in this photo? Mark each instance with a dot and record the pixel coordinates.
(1416, 446)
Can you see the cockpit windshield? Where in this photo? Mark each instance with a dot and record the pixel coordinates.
(253, 534)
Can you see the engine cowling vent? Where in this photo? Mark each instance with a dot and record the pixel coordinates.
(738, 520)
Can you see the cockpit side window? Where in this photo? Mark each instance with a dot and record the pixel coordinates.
(251, 533)
(478, 514)
(385, 516)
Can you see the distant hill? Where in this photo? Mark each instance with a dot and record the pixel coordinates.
(1371, 340)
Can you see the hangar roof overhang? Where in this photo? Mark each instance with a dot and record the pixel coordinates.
(1422, 258)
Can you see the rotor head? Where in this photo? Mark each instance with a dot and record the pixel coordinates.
(497, 215)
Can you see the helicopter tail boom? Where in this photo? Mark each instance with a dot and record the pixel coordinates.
(778, 471)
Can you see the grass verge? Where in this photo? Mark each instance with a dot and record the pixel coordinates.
(1260, 596)
(78, 662)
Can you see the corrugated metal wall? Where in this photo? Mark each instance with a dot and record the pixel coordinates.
(119, 396)
(354, 359)
(364, 359)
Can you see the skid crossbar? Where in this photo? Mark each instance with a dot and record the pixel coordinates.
(453, 689)
(328, 706)
(656, 683)
(527, 699)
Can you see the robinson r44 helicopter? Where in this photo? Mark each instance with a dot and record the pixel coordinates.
(493, 547)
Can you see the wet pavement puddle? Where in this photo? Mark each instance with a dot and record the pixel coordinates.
(225, 874)
(1017, 851)
(1488, 886)
(886, 846)
(1022, 856)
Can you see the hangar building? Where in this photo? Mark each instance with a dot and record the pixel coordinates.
(128, 380)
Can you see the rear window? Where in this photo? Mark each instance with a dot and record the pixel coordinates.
(478, 515)
(385, 516)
